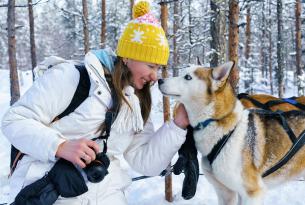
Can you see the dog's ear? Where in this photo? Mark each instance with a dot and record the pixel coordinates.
(221, 73)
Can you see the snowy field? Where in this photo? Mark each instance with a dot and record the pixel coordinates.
(149, 191)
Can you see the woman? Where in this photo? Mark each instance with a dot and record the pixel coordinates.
(29, 124)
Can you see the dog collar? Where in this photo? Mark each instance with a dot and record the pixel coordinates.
(203, 124)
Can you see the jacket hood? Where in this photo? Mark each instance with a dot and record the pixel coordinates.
(106, 57)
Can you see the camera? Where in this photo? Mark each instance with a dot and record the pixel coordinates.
(97, 169)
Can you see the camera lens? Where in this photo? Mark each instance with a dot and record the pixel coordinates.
(97, 169)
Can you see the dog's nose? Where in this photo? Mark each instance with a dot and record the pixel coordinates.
(160, 81)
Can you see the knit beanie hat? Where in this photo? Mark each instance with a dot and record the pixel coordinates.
(143, 39)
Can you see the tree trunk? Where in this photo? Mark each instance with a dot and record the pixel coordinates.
(233, 41)
(103, 28)
(15, 92)
(270, 50)
(280, 63)
(222, 33)
(298, 41)
(131, 6)
(32, 37)
(190, 29)
(214, 31)
(263, 54)
(166, 105)
(175, 49)
(249, 69)
(85, 26)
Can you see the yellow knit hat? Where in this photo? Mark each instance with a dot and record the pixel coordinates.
(143, 38)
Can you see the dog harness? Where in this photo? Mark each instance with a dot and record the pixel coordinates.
(219, 145)
(297, 142)
(269, 104)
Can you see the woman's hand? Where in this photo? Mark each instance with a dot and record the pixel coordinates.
(79, 151)
(181, 119)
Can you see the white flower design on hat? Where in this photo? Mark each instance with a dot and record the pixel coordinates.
(137, 36)
(162, 40)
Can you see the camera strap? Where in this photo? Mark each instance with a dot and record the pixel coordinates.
(111, 114)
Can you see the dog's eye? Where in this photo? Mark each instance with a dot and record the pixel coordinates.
(188, 77)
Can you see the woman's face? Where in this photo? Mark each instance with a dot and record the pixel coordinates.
(142, 72)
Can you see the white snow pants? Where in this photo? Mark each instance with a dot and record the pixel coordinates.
(114, 197)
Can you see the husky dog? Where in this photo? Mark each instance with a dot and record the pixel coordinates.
(256, 142)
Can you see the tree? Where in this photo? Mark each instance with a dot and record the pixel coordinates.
(175, 33)
(32, 36)
(190, 25)
(166, 104)
(131, 6)
(15, 92)
(298, 42)
(263, 43)
(214, 30)
(270, 49)
(249, 69)
(85, 26)
(280, 60)
(103, 28)
(233, 41)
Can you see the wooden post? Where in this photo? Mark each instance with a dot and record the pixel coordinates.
(166, 104)
(15, 92)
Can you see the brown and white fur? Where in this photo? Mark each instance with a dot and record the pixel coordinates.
(256, 144)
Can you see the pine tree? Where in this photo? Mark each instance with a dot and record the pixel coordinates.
(280, 60)
(233, 41)
(15, 92)
(32, 36)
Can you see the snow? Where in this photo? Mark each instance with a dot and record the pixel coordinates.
(148, 191)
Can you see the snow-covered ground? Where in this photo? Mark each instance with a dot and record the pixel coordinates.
(148, 191)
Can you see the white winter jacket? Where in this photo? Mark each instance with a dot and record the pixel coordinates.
(28, 126)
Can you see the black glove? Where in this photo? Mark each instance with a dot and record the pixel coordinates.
(62, 180)
(188, 162)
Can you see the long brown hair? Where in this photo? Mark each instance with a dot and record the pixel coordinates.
(121, 77)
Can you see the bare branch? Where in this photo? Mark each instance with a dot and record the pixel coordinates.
(23, 6)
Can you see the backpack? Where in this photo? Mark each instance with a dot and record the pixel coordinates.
(81, 93)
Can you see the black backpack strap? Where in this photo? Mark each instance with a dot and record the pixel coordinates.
(81, 93)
